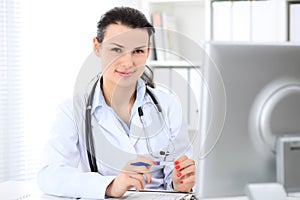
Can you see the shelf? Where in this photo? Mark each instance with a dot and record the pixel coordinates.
(189, 26)
(178, 68)
(174, 1)
(172, 64)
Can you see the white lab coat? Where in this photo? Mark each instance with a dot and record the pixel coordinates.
(65, 168)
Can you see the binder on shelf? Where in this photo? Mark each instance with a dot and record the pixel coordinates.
(170, 36)
(158, 36)
(164, 40)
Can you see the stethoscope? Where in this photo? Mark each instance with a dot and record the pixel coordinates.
(162, 155)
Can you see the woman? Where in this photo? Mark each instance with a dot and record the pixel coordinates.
(123, 45)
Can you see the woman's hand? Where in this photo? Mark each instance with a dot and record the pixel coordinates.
(183, 175)
(130, 176)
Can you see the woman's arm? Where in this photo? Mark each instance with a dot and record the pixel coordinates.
(60, 173)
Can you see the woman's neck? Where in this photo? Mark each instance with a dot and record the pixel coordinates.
(120, 99)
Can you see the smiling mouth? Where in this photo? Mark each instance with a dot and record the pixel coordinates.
(125, 74)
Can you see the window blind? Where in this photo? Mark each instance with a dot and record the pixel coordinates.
(13, 151)
(26, 105)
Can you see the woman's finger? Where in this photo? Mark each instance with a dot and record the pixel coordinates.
(140, 178)
(133, 182)
(185, 163)
(181, 159)
(187, 170)
(144, 172)
(188, 179)
(148, 177)
(149, 161)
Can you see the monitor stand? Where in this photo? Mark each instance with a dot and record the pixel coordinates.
(263, 191)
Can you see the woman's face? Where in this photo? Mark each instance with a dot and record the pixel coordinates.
(123, 54)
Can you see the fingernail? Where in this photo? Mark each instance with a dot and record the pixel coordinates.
(177, 167)
(179, 174)
(181, 182)
(176, 162)
(150, 180)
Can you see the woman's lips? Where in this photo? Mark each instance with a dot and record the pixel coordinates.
(124, 74)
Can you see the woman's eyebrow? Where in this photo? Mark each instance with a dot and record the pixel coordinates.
(121, 46)
(140, 47)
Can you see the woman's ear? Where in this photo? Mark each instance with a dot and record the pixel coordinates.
(96, 46)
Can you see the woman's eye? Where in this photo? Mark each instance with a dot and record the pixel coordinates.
(117, 50)
(139, 51)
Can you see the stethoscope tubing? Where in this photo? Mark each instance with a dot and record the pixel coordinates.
(88, 129)
(88, 132)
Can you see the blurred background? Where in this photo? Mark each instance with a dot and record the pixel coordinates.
(45, 42)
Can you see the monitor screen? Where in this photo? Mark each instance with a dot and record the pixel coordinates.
(250, 98)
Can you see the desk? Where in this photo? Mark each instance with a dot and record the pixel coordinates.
(47, 197)
(28, 190)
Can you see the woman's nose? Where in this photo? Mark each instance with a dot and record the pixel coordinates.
(127, 60)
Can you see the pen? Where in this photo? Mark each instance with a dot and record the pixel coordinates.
(160, 163)
(164, 163)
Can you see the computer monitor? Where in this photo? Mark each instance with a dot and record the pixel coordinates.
(250, 97)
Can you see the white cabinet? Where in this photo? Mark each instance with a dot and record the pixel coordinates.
(183, 81)
(256, 21)
(293, 13)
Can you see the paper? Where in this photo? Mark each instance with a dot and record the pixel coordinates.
(152, 195)
(18, 190)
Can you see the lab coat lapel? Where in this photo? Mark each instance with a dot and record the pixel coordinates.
(136, 131)
(108, 151)
(134, 140)
(113, 131)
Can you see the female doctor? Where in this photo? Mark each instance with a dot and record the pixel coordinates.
(123, 45)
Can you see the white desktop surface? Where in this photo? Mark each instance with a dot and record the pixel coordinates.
(47, 197)
(28, 190)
